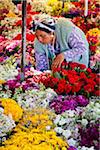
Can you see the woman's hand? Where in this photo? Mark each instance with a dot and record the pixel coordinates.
(57, 61)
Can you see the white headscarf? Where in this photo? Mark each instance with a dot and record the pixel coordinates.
(45, 21)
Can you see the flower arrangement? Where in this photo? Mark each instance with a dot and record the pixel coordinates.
(11, 108)
(73, 78)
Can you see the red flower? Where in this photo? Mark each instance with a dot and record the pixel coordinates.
(18, 23)
(73, 79)
(82, 66)
(30, 37)
(18, 37)
(97, 92)
(93, 48)
(76, 87)
(88, 70)
(83, 76)
(68, 88)
(54, 82)
(89, 88)
(90, 81)
(73, 65)
(60, 89)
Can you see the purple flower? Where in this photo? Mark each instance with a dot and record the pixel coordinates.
(72, 148)
(82, 101)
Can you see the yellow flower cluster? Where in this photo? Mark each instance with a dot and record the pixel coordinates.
(11, 108)
(7, 4)
(38, 118)
(2, 81)
(35, 140)
(94, 32)
(11, 15)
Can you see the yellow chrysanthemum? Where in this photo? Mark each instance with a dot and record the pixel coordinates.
(11, 108)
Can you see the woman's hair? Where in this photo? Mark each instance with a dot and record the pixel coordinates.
(45, 23)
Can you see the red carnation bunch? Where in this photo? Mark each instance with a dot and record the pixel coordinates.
(73, 79)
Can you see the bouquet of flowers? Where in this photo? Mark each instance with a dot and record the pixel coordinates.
(73, 78)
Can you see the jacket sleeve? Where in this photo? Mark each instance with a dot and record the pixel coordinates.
(40, 57)
(77, 47)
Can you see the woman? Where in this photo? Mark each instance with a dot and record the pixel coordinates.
(58, 40)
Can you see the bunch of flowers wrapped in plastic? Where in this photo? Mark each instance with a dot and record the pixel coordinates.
(73, 78)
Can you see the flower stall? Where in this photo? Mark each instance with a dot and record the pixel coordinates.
(53, 110)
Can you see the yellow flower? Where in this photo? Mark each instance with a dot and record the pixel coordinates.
(11, 108)
(2, 81)
(11, 15)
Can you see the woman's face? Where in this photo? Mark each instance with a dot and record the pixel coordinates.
(44, 37)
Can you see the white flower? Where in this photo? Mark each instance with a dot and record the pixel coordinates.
(86, 148)
(56, 121)
(84, 122)
(58, 130)
(62, 121)
(66, 133)
(48, 127)
(71, 142)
